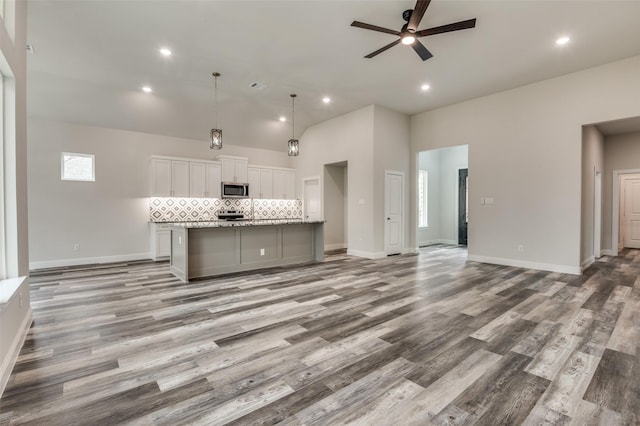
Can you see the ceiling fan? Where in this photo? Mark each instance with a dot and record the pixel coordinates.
(409, 33)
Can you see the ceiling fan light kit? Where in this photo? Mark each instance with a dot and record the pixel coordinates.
(409, 33)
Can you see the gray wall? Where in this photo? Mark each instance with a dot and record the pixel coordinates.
(392, 150)
(621, 152)
(107, 218)
(525, 151)
(592, 161)
(371, 140)
(349, 138)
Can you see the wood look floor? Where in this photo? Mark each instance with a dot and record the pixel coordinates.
(412, 339)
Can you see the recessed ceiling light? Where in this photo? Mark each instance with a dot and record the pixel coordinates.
(425, 87)
(563, 40)
(326, 99)
(146, 89)
(165, 52)
(283, 118)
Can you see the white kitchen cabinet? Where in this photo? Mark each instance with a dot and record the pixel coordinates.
(161, 178)
(284, 184)
(160, 241)
(213, 177)
(260, 182)
(180, 178)
(253, 178)
(204, 180)
(197, 180)
(234, 169)
(169, 178)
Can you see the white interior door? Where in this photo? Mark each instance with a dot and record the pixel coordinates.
(632, 213)
(393, 200)
(312, 199)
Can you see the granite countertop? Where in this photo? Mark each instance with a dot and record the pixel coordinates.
(254, 222)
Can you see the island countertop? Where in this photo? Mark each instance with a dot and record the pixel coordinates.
(243, 222)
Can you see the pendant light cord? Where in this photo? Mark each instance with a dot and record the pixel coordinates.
(215, 86)
(293, 116)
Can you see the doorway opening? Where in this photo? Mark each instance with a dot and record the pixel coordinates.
(336, 189)
(443, 196)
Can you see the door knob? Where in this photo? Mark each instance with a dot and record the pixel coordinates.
(388, 218)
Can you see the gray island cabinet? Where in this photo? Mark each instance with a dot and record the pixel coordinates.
(204, 249)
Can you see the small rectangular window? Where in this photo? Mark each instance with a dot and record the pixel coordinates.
(78, 167)
(423, 192)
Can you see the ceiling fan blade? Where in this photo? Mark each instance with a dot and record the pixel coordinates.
(462, 25)
(382, 49)
(422, 51)
(417, 14)
(374, 28)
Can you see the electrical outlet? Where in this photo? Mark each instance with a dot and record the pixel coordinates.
(261, 252)
(520, 248)
(76, 247)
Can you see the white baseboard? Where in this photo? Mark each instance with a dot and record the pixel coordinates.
(14, 350)
(564, 269)
(336, 246)
(366, 254)
(88, 260)
(609, 252)
(431, 242)
(586, 263)
(410, 250)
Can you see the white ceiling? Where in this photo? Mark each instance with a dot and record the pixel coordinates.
(92, 57)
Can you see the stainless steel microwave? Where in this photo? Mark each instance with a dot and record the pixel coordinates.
(234, 190)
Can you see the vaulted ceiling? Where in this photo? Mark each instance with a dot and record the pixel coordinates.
(92, 58)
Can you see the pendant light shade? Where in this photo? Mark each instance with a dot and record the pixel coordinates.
(215, 136)
(294, 147)
(294, 144)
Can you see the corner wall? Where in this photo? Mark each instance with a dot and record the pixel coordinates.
(349, 138)
(592, 161)
(525, 149)
(392, 148)
(15, 306)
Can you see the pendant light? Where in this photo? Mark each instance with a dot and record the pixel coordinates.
(215, 137)
(294, 145)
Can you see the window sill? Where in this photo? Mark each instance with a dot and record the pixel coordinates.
(8, 289)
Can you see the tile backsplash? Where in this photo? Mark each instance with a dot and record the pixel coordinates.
(171, 209)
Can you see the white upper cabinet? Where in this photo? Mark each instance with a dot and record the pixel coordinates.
(169, 178)
(161, 178)
(204, 180)
(284, 184)
(180, 178)
(212, 179)
(234, 169)
(260, 182)
(253, 178)
(266, 183)
(183, 177)
(197, 180)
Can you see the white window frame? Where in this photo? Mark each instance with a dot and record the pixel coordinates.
(75, 154)
(423, 193)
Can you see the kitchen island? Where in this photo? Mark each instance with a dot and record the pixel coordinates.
(204, 249)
